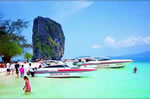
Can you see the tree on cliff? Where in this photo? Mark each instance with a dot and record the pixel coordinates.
(11, 40)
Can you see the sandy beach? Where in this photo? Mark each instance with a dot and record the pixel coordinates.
(2, 71)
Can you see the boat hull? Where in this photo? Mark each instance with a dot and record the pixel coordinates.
(60, 75)
(113, 65)
(64, 73)
(107, 64)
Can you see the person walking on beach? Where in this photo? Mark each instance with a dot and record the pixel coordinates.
(8, 69)
(12, 67)
(31, 70)
(27, 86)
(17, 69)
(22, 71)
(135, 69)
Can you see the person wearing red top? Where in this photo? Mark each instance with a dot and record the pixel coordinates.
(135, 69)
(27, 86)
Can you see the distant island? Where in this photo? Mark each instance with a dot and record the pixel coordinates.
(142, 57)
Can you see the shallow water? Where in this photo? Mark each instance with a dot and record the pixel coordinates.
(104, 83)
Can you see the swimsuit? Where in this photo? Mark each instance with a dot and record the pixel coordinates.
(28, 87)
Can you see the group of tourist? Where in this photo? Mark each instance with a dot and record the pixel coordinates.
(19, 69)
(11, 67)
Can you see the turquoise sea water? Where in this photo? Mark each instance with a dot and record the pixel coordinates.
(104, 83)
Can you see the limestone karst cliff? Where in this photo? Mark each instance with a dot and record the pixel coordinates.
(48, 39)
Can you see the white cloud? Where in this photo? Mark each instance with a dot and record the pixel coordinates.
(147, 40)
(127, 42)
(109, 41)
(130, 41)
(96, 46)
(64, 9)
(82, 4)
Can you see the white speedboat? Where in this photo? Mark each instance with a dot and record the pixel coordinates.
(62, 71)
(104, 62)
(107, 63)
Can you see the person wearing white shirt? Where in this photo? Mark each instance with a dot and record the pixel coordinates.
(8, 69)
(12, 67)
(31, 70)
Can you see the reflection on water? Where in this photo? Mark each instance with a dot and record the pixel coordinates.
(105, 83)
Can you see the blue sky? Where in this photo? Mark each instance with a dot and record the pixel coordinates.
(95, 28)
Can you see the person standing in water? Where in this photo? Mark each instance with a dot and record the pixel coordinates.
(27, 86)
(22, 71)
(135, 69)
(17, 69)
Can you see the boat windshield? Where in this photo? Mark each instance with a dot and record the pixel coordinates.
(56, 66)
(44, 64)
(101, 58)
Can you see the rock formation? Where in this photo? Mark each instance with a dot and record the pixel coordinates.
(48, 39)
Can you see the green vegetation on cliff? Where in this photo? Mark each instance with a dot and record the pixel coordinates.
(52, 42)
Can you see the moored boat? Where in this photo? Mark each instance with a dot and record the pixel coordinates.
(104, 62)
(107, 63)
(62, 71)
